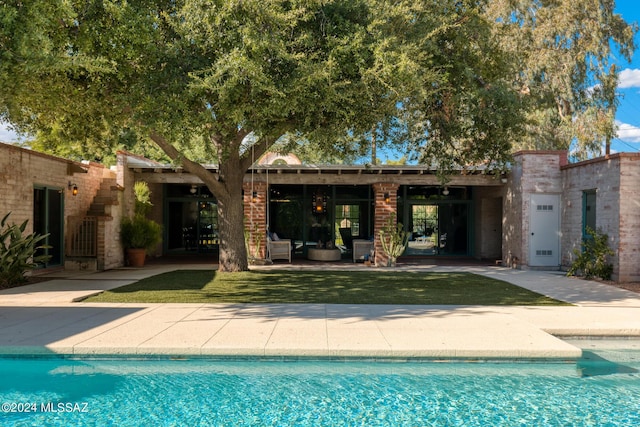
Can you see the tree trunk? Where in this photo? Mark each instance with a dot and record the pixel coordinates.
(227, 188)
(233, 252)
(374, 148)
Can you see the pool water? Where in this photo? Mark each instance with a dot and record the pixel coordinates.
(595, 391)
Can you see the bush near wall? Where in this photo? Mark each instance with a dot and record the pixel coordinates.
(17, 252)
(592, 259)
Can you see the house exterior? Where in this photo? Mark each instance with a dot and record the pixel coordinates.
(82, 228)
(532, 217)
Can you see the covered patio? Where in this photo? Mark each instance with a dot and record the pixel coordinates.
(332, 208)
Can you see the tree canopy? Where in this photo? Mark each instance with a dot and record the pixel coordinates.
(564, 52)
(223, 80)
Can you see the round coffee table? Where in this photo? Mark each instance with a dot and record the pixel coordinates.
(315, 254)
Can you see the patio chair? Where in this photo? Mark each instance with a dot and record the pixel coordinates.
(361, 249)
(279, 249)
(347, 238)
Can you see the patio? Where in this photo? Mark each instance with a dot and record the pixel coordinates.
(42, 319)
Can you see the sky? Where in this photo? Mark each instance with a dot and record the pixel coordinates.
(627, 116)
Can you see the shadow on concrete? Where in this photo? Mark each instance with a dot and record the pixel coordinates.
(347, 312)
(27, 330)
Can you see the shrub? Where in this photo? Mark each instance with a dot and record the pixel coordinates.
(591, 260)
(140, 233)
(142, 194)
(17, 252)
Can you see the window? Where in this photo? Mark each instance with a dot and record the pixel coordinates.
(588, 211)
(348, 216)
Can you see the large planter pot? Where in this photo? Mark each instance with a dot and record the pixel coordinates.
(136, 257)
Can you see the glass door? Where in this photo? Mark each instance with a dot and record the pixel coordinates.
(453, 229)
(47, 219)
(424, 232)
(191, 219)
(438, 229)
(208, 236)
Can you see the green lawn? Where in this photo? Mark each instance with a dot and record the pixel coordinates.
(331, 287)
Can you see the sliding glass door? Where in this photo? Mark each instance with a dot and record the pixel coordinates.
(437, 218)
(48, 219)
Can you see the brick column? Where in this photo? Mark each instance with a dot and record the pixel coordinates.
(255, 217)
(384, 209)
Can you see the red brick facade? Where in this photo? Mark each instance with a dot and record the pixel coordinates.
(255, 218)
(386, 206)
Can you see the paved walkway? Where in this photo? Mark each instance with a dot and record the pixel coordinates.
(44, 319)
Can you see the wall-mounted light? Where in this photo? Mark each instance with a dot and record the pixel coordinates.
(445, 192)
(254, 196)
(387, 198)
(194, 189)
(73, 188)
(319, 203)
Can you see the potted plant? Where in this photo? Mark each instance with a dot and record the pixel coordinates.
(138, 233)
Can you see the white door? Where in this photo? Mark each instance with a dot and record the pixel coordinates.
(544, 230)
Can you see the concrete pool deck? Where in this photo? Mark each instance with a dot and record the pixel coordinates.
(43, 318)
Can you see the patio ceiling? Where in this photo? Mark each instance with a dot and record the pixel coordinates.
(325, 174)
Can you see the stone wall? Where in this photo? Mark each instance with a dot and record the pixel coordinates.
(532, 172)
(615, 180)
(112, 246)
(629, 245)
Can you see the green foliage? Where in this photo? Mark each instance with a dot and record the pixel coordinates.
(591, 260)
(17, 252)
(565, 53)
(225, 80)
(254, 235)
(143, 198)
(394, 239)
(139, 232)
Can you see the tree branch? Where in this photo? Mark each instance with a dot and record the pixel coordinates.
(189, 165)
(256, 151)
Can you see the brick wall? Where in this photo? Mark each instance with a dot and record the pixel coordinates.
(629, 244)
(615, 180)
(112, 246)
(384, 209)
(255, 217)
(532, 172)
(21, 170)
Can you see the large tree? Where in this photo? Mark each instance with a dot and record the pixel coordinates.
(565, 60)
(227, 79)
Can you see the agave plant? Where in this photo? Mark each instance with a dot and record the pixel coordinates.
(394, 240)
(18, 252)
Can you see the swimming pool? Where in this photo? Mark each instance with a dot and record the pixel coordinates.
(596, 391)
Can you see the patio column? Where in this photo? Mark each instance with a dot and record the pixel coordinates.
(386, 205)
(255, 218)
